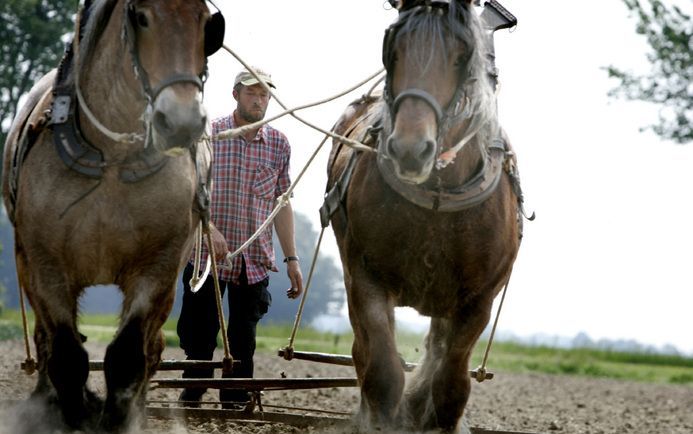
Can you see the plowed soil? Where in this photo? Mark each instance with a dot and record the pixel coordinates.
(514, 402)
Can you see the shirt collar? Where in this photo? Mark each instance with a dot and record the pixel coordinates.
(262, 132)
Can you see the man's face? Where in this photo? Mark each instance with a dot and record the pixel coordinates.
(252, 102)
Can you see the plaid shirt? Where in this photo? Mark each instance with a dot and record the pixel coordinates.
(248, 178)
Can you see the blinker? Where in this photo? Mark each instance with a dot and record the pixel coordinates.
(214, 33)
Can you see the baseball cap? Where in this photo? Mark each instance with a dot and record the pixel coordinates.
(247, 79)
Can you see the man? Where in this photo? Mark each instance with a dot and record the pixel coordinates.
(250, 172)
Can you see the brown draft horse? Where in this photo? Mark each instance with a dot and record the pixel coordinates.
(90, 207)
(427, 221)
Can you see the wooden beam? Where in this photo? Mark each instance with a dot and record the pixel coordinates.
(254, 384)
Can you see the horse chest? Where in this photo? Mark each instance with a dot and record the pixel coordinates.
(429, 262)
(98, 227)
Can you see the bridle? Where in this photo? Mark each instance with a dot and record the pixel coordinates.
(459, 108)
(73, 148)
(214, 34)
(494, 151)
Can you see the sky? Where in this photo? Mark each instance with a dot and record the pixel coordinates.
(609, 253)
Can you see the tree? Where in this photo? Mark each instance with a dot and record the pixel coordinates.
(326, 293)
(33, 40)
(668, 31)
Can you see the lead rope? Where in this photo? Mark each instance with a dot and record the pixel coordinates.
(29, 365)
(227, 363)
(237, 131)
(480, 374)
(288, 351)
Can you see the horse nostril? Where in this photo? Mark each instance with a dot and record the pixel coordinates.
(390, 147)
(429, 149)
(203, 123)
(162, 124)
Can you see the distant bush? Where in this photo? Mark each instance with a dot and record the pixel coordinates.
(681, 379)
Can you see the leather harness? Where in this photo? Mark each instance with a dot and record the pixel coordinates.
(78, 154)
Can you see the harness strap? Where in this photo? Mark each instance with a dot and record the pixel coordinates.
(86, 159)
(75, 151)
(470, 194)
(418, 94)
(334, 198)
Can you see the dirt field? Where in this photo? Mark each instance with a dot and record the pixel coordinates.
(531, 403)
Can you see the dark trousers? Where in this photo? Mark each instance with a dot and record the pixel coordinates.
(198, 325)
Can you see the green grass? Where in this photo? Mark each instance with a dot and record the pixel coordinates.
(504, 357)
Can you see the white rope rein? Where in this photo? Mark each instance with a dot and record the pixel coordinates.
(349, 142)
(112, 135)
(283, 200)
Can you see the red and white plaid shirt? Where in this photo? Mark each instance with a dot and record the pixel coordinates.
(248, 178)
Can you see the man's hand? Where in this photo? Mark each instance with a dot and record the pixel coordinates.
(219, 243)
(293, 270)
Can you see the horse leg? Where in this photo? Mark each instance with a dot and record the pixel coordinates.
(63, 362)
(450, 383)
(417, 402)
(131, 358)
(378, 366)
(43, 386)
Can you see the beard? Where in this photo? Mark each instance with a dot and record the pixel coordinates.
(255, 115)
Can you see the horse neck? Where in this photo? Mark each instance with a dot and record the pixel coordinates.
(110, 89)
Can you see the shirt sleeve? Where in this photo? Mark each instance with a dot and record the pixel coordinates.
(283, 180)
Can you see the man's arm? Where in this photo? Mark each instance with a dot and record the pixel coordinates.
(221, 248)
(284, 225)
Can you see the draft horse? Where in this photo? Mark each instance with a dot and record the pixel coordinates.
(105, 180)
(431, 220)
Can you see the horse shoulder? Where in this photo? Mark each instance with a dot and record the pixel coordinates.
(353, 123)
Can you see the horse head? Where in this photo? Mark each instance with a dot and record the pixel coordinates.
(169, 42)
(437, 90)
(152, 55)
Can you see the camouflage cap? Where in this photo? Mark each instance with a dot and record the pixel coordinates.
(247, 79)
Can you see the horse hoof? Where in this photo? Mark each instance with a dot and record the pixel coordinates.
(463, 427)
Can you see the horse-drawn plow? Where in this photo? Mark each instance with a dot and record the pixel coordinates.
(256, 411)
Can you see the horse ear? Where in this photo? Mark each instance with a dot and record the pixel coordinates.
(403, 5)
(214, 33)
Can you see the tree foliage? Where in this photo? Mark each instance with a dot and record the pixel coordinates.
(326, 293)
(668, 84)
(32, 34)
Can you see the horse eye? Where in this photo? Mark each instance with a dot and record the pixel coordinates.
(142, 19)
(461, 61)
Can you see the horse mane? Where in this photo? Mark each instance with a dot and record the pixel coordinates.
(93, 19)
(429, 34)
